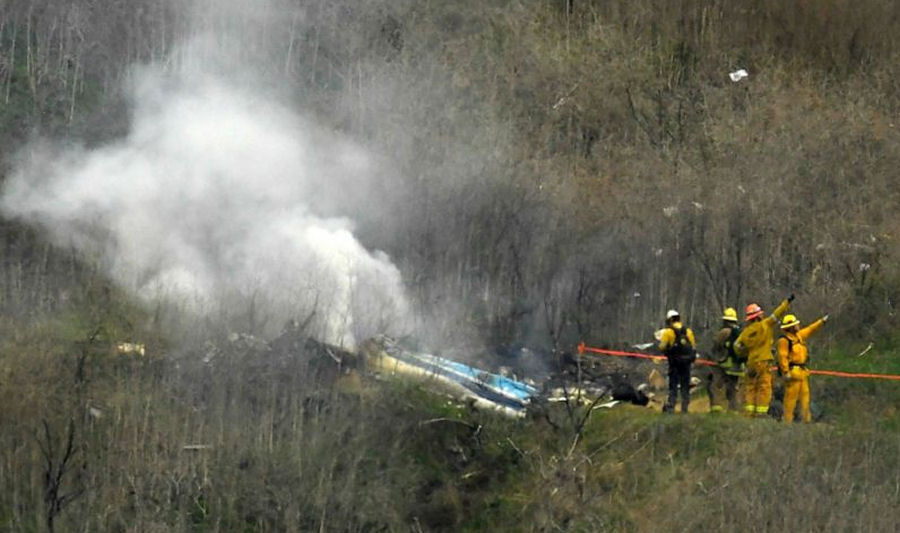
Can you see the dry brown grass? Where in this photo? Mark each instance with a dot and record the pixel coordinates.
(268, 441)
(277, 452)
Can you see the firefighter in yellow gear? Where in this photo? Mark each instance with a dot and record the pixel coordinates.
(755, 343)
(678, 344)
(793, 361)
(724, 377)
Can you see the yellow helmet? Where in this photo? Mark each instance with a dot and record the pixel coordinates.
(789, 322)
(730, 315)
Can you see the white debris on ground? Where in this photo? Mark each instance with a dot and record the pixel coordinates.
(738, 75)
(868, 348)
(130, 348)
(94, 412)
(196, 447)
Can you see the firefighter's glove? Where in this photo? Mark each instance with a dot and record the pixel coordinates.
(790, 297)
(825, 318)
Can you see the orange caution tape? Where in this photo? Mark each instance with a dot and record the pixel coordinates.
(583, 349)
(840, 374)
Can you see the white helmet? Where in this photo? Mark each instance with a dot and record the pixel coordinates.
(672, 314)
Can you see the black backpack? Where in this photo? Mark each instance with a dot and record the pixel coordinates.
(681, 349)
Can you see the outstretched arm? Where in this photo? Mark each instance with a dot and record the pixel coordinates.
(812, 328)
(783, 307)
(780, 311)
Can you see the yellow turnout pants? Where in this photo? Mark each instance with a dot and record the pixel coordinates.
(796, 387)
(757, 389)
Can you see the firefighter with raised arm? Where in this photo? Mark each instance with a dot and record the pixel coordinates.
(755, 343)
(678, 345)
(724, 377)
(793, 361)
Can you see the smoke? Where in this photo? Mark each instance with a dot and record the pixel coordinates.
(211, 199)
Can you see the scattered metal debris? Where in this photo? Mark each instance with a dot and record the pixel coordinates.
(130, 348)
(864, 352)
(94, 412)
(552, 377)
(196, 447)
(738, 75)
(485, 389)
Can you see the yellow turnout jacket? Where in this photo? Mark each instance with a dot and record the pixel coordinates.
(668, 336)
(796, 342)
(755, 342)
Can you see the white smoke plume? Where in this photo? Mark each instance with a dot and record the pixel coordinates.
(210, 199)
